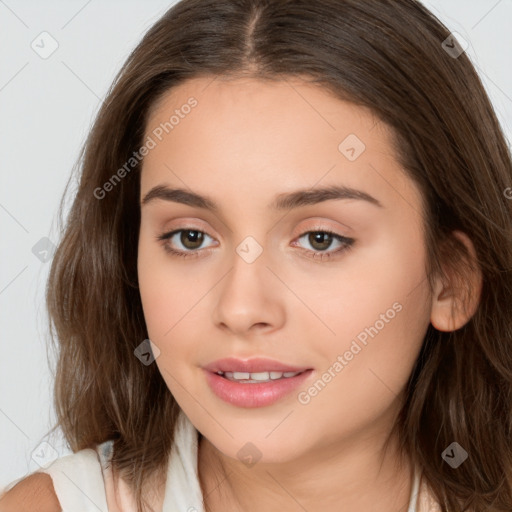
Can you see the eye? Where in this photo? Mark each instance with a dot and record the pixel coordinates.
(322, 239)
(192, 239)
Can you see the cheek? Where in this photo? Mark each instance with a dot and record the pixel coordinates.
(377, 357)
(164, 312)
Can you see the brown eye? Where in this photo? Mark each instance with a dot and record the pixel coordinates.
(191, 239)
(320, 240)
(183, 242)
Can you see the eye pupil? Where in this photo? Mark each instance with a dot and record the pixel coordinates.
(322, 238)
(195, 236)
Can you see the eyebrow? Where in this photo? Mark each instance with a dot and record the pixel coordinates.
(285, 201)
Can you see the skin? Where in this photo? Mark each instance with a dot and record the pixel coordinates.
(246, 142)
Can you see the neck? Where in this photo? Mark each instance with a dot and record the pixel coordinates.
(354, 476)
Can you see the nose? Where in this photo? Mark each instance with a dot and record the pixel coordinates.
(249, 298)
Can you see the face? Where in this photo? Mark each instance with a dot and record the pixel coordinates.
(329, 285)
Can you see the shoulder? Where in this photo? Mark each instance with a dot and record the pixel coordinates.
(35, 493)
(44, 490)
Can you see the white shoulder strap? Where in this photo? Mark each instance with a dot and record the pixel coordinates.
(413, 502)
(78, 482)
(182, 489)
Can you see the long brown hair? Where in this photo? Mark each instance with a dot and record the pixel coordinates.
(386, 55)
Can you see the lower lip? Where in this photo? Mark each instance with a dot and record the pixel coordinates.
(254, 395)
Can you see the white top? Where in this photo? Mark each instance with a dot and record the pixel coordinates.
(83, 480)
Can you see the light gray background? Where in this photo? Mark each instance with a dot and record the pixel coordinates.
(47, 107)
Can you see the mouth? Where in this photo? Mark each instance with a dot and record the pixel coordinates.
(255, 382)
(257, 377)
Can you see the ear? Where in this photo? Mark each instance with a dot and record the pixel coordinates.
(456, 298)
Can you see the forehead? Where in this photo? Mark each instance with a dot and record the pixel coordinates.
(249, 133)
(272, 102)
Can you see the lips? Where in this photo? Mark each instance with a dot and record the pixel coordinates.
(256, 365)
(250, 394)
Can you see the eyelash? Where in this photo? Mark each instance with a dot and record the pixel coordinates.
(347, 244)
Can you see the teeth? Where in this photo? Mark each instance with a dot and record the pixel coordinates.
(257, 376)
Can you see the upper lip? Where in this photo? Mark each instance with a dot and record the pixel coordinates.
(258, 364)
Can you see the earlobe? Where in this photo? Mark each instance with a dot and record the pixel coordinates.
(455, 299)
